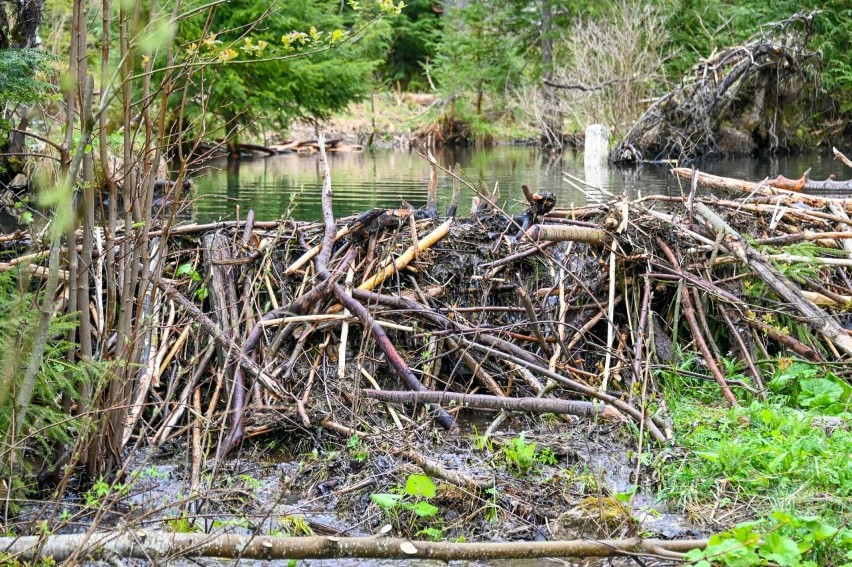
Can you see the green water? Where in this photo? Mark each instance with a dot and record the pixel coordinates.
(385, 178)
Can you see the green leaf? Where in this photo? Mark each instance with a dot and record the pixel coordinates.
(627, 495)
(819, 393)
(420, 485)
(183, 269)
(386, 501)
(781, 550)
(424, 509)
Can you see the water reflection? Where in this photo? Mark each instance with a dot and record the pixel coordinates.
(385, 178)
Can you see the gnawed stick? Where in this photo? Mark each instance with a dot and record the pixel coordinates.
(435, 470)
(746, 355)
(454, 202)
(427, 242)
(144, 544)
(565, 382)
(561, 233)
(482, 401)
(225, 342)
(475, 366)
(839, 155)
(393, 358)
(309, 255)
(787, 340)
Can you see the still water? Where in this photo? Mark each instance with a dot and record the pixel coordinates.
(385, 178)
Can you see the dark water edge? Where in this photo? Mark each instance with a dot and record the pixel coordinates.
(291, 184)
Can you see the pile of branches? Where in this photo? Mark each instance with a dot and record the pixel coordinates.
(299, 326)
(554, 310)
(730, 99)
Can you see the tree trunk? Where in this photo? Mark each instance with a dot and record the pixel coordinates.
(552, 113)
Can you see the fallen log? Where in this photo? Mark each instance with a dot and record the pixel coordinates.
(145, 544)
(481, 401)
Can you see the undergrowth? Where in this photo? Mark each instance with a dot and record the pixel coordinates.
(786, 461)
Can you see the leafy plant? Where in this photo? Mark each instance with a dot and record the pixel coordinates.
(781, 539)
(359, 450)
(765, 453)
(413, 498)
(522, 457)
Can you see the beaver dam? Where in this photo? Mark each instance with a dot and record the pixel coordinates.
(412, 385)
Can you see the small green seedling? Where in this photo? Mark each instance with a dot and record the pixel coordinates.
(413, 498)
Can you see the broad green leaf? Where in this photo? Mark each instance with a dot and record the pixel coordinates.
(781, 550)
(183, 269)
(420, 485)
(424, 509)
(819, 393)
(386, 501)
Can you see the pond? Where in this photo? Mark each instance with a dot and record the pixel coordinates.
(387, 178)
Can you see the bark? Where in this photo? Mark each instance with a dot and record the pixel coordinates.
(143, 544)
(481, 401)
(561, 233)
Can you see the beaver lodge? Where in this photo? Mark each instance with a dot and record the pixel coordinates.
(400, 384)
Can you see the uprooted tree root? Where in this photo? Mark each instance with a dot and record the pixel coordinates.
(733, 98)
(377, 326)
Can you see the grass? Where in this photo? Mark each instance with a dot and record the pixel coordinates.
(770, 462)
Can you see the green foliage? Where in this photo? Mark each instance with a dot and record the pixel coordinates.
(701, 26)
(415, 35)
(323, 73)
(767, 453)
(477, 56)
(414, 499)
(357, 448)
(522, 457)
(23, 75)
(47, 422)
(781, 539)
(810, 387)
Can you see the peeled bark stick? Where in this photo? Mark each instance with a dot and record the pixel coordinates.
(309, 255)
(839, 155)
(145, 544)
(715, 181)
(327, 213)
(481, 401)
(394, 359)
(435, 470)
(689, 313)
(428, 241)
(817, 318)
(561, 233)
